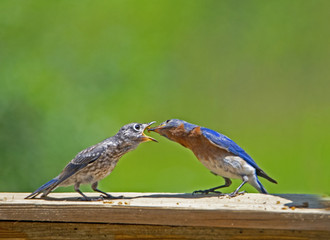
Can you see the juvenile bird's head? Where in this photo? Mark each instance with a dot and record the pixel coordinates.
(134, 133)
(172, 129)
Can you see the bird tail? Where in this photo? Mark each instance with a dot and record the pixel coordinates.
(254, 181)
(261, 189)
(46, 188)
(264, 175)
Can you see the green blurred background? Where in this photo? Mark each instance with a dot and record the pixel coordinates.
(73, 72)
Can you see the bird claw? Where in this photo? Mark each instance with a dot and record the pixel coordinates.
(108, 196)
(234, 194)
(100, 198)
(85, 199)
(206, 192)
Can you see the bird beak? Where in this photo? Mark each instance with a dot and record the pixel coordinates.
(146, 138)
(156, 129)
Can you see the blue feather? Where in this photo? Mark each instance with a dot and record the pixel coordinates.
(225, 142)
(43, 187)
(263, 190)
(46, 185)
(189, 126)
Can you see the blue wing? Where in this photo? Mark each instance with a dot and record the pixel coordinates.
(225, 142)
(189, 126)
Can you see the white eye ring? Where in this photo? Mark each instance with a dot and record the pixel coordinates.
(137, 127)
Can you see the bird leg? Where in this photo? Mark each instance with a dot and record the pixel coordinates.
(76, 188)
(233, 194)
(106, 195)
(212, 190)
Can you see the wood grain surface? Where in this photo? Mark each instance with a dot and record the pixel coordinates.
(165, 216)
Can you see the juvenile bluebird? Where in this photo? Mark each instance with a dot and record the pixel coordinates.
(217, 152)
(96, 162)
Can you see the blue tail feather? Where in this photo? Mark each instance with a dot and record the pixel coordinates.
(51, 184)
(262, 188)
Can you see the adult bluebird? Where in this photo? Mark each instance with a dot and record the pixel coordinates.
(96, 162)
(217, 152)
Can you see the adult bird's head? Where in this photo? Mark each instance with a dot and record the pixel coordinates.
(172, 129)
(134, 133)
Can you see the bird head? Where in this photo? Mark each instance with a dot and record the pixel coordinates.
(169, 128)
(134, 132)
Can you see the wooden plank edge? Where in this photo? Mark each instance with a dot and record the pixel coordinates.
(167, 216)
(78, 231)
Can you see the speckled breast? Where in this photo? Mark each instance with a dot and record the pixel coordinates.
(93, 172)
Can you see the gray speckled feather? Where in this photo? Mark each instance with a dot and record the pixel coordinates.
(96, 162)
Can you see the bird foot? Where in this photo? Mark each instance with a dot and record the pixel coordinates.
(85, 199)
(234, 194)
(100, 198)
(207, 191)
(108, 196)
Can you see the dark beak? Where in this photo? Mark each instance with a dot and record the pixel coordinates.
(155, 129)
(145, 137)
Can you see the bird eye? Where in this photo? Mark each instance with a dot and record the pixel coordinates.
(137, 127)
(167, 121)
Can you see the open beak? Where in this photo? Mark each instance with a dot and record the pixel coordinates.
(155, 129)
(145, 137)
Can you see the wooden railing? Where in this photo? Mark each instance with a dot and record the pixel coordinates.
(165, 216)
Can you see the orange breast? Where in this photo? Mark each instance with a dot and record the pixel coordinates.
(196, 142)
